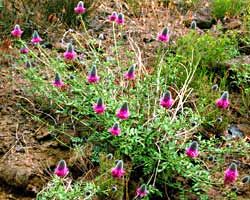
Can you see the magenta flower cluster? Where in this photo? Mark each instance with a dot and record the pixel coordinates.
(17, 32)
(164, 35)
(57, 81)
(61, 169)
(118, 18)
(80, 9)
(142, 191)
(223, 102)
(70, 53)
(231, 174)
(167, 100)
(192, 150)
(117, 171)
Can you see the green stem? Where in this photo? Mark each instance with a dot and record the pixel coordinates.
(116, 51)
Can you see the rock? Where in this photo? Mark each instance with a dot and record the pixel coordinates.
(232, 25)
(245, 129)
(234, 132)
(241, 62)
(202, 17)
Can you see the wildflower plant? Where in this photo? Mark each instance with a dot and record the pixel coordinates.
(152, 142)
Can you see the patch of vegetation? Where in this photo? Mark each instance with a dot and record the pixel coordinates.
(222, 8)
(208, 48)
(160, 145)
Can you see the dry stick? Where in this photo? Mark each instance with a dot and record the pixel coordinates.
(158, 81)
(85, 30)
(138, 55)
(116, 51)
(179, 106)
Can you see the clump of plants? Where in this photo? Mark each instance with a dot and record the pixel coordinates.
(222, 8)
(140, 123)
(210, 49)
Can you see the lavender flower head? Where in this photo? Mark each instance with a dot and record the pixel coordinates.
(166, 100)
(130, 74)
(36, 38)
(61, 169)
(123, 113)
(164, 35)
(120, 19)
(231, 174)
(17, 32)
(70, 53)
(142, 191)
(24, 50)
(79, 9)
(99, 107)
(57, 81)
(223, 102)
(113, 17)
(118, 171)
(92, 75)
(115, 130)
(192, 150)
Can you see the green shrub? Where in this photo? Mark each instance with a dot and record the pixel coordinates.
(221, 8)
(209, 49)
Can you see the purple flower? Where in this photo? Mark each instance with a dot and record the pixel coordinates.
(118, 171)
(24, 50)
(115, 130)
(57, 81)
(36, 38)
(92, 76)
(70, 54)
(130, 74)
(61, 169)
(164, 35)
(123, 112)
(120, 19)
(166, 100)
(17, 32)
(223, 102)
(99, 107)
(113, 17)
(142, 191)
(192, 150)
(231, 174)
(79, 9)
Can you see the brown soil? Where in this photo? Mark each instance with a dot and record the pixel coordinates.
(27, 154)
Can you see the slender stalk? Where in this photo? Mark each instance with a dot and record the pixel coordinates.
(116, 51)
